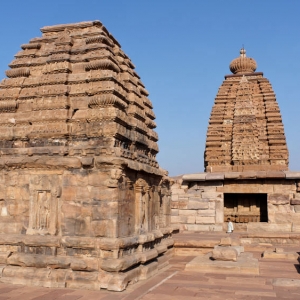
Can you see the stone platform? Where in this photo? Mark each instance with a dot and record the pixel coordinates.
(245, 264)
(277, 279)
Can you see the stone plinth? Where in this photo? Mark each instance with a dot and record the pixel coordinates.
(245, 264)
(83, 201)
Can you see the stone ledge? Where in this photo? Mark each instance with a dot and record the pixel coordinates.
(194, 177)
(245, 264)
(241, 175)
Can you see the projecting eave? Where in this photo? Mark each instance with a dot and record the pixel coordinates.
(241, 175)
(244, 74)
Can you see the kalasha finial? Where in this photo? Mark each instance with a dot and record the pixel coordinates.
(243, 64)
(243, 52)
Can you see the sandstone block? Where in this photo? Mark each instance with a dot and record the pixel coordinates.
(214, 176)
(295, 202)
(194, 177)
(99, 194)
(205, 220)
(286, 282)
(197, 227)
(279, 199)
(105, 228)
(198, 204)
(87, 162)
(79, 179)
(183, 219)
(268, 227)
(224, 253)
(191, 219)
(174, 212)
(296, 208)
(187, 212)
(225, 241)
(280, 255)
(105, 210)
(211, 195)
(206, 212)
(148, 270)
(182, 204)
(175, 219)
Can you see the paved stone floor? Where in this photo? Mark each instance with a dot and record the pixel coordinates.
(278, 279)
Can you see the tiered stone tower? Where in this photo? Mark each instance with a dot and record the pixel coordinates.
(83, 200)
(245, 129)
(246, 175)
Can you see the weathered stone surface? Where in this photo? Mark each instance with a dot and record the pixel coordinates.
(279, 199)
(286, 282)
(82, 196)
(243, 132)
(246, 264)
(280, 255)
(194, 177)
(200, 204)
(224, 253)
(225, 241)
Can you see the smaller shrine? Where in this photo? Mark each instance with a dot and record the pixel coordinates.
(246, 177)
(83, 201)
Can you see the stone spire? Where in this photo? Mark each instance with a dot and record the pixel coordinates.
(245, 129)
(74, 84)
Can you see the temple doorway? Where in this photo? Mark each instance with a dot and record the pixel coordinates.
(245, 208)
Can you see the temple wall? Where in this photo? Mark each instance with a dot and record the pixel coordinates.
(96, 228)
(199, 205)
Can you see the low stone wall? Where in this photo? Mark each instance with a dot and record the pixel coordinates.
(197, 200)
(197, 206)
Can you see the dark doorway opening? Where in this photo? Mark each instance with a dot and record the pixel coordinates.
(244, 208)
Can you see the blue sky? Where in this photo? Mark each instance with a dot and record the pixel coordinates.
(182, 50)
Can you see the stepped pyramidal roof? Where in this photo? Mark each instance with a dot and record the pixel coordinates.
(245, 131)
(74, 92)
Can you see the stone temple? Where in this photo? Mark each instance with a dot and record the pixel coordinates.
(83, 202)
(246, 175)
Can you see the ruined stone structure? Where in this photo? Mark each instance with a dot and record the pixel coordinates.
(246, 162)
(83, 201)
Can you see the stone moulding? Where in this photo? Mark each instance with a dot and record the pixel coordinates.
(31, 46)
(62, 27)
(241, 175)
(103, 64)
(21, 72)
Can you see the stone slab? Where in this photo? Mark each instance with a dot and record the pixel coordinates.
(214, 176)
(292, 175)
(286, 282)
(194, 177)
(280, 255)
(246, 264)
(267, 227)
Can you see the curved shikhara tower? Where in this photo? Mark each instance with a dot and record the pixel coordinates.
(82, 194)
(245, 131)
